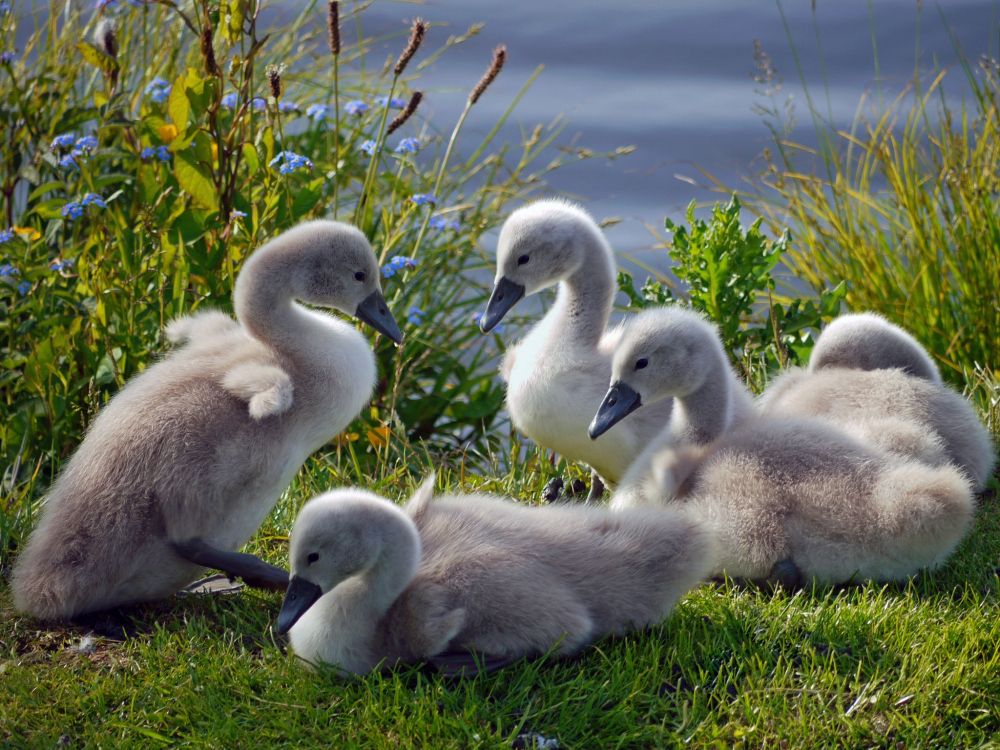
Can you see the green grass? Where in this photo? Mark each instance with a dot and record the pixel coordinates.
(865, 666)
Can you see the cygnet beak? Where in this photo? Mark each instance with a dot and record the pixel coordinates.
(375, 313)
(505, 295)
(619, 402)
(299, 597)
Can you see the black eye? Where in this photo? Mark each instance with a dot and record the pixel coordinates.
(641, 363)
(313, 557)
(522, 260)
(359, 275)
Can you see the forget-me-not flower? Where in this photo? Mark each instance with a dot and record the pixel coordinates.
(8, 271)
(159, 152)
(6, 235)
(395, 102)
(288, 107)
(442, 223)
(237, 214)
(317, 111)
(408, 146)
(61, 265)
(356, 107)
(422, 199)
(415, 316)
(259, 104)
(68, 162)
(23, 288)
(87, 143)
(289, 161)
(230, 100)
(396, 264)
(66, 140)
(368, 147)
(158, 90)
(7, 56)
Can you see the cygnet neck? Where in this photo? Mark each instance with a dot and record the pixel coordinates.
(265, 305)
(702, 415)
(585, 298)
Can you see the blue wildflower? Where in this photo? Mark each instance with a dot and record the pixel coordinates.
(23, 288)
(158, 90)
(396, 264)
(5, 8)
(408, 146)
(422, 199)
(61, 265)
(415, 316)
(317, 111)
(230, 100)
(160, 152)
(289, 161)
(259, 104)
(93, 199)
(288, 107)
(6, 235)
(86, 144)
(72, 210)
(442, 223)
(356, 107)
(8, 271)
(237, 214)
(395, 102)
(8, 56)
(66, 140)
(368, 147)
(68, 162)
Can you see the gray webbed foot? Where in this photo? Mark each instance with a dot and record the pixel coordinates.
(786, 574)
(552, 490)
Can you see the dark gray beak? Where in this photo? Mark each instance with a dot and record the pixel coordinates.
(505, 295)
(299, 597)
(375, 313)
(619, 402)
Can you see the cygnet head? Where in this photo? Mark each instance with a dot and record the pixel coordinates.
(336, 536)
(540, 245)
(326, 263)
(663, 351)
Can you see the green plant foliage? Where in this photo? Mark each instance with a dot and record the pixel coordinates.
(727, 272)
(133, 193)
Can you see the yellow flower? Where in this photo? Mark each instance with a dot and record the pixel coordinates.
(29, 233)
(167, 132)
(346, 437)
(379, 437)
(215, 151)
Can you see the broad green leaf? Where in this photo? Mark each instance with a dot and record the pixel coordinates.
(193, 176)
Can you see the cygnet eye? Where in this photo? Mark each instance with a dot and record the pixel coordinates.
(641, 363)
(313, 557)
(359, 275)
(522, 260)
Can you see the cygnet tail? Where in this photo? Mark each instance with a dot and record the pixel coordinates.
(923, 512)
(41, 591)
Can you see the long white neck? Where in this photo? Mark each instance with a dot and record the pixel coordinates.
(583, 305)
(702, 415)
(265, 305)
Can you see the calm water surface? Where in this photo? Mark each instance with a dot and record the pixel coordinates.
(675, 79)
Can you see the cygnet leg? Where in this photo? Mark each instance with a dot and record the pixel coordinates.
(596, 488)
(467, 663)
(786, 574)
(552, 489)
(254, 571)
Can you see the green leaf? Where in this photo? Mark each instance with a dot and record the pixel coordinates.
(194, 177)
(90, 54)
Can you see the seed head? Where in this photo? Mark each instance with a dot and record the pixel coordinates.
(499, 58)
(417, 32)
(274, 78)
(208, 52)
(106, 38)
(333, 26)
(411, 107)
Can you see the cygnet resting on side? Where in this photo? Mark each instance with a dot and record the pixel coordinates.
(375, 584)
(671, 353)
(183, 464)
(555, 374)
(787, 497)
(873, 380)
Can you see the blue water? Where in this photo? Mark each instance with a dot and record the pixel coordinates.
(675, 79)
